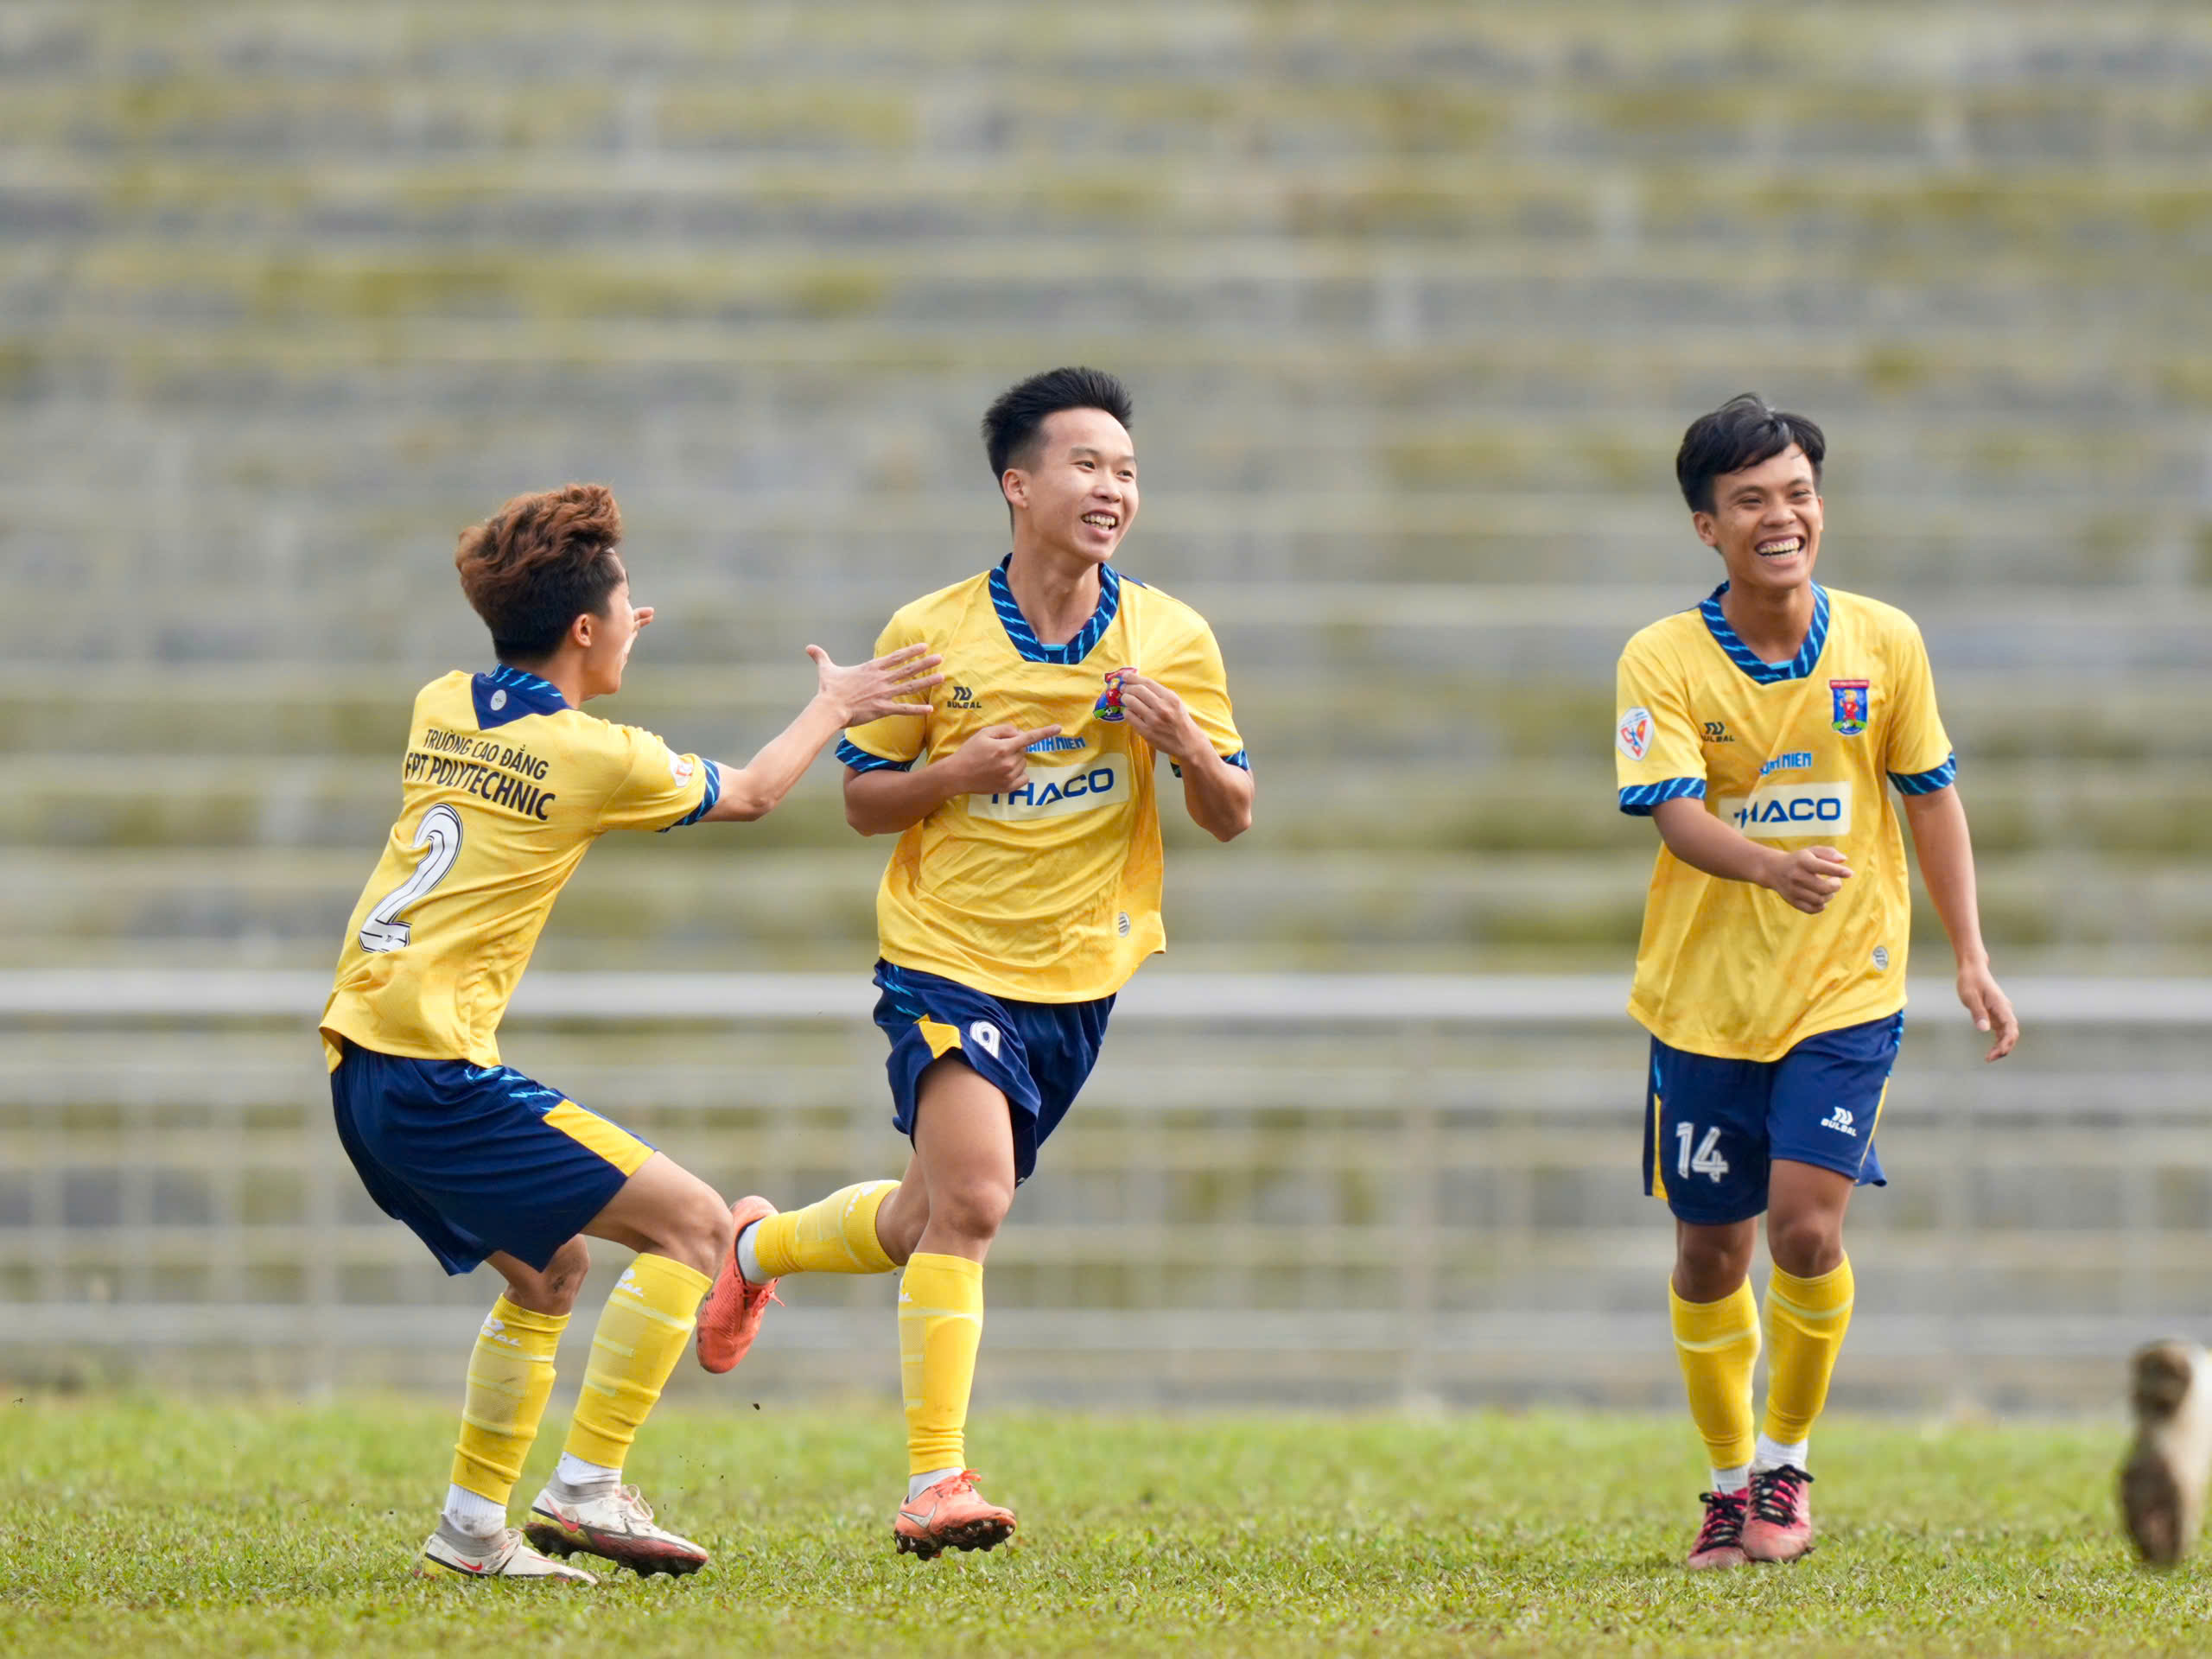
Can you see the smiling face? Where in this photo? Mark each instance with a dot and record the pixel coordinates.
(1766, 523)
(605, 641)
(1078, 492)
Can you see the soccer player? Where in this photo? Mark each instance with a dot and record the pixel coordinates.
(1761, 731)
(504, 785)
(1023, 892)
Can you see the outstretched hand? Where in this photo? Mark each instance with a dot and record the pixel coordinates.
(1991, 1008)
(891, 684)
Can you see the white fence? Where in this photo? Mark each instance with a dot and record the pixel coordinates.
(1298, 1188)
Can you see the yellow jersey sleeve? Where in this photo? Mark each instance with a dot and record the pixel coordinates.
(654, 787)
(1192, 668)
(896, 741)
(1918, 757)
(1658, 752)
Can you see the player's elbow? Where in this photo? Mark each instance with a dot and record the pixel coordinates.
(741, 802)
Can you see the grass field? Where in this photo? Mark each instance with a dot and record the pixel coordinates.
(144, 1527)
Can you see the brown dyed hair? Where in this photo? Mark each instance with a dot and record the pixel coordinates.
(538, 563)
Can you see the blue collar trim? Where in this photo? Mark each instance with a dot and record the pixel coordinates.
(506, 694)
(1766, 673)
(1024, 638)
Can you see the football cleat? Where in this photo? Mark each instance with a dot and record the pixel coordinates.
(451, 1551)
(2162, 1483)
(734, 1308)
(1720, 1539)
(950, 1514)
(1780, 1525)
(616, 1525)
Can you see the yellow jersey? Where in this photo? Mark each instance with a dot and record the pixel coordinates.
(1798, 754)
(503, 788)
(1049, 893)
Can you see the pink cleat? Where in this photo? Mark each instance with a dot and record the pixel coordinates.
(950, 1514)
(1781, 1524)
(1720, 1540)
(734, 1308)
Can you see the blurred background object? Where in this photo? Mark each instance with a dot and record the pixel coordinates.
(1416, 299)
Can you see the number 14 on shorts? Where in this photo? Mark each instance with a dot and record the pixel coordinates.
(1706, 1161)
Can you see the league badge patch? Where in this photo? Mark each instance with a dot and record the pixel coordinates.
(1109, 706)
(1854, 700)
(1634, 732)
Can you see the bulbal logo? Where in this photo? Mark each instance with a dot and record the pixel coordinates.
(1633, 733)
(1716, 731)
(1840, 1120)
(1050, 791)
(1779, 811)
(961, 697)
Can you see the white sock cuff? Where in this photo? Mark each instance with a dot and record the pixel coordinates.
(748, 1259)
(473, 1513)
(916, 1484)
(574, 1471)
(1773, 1454)
(1732, 1480)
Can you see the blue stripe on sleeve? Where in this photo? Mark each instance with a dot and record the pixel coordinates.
(1240, 760)
(707, 798)
(1638, 799)
(851, 754)
(1927, 783)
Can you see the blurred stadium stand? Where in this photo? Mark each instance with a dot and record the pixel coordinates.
(1415, 299)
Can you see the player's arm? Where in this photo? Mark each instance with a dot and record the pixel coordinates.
(1215, 793)
(895, 683)
(1808, 878)
(1946, 850)
(885, 800)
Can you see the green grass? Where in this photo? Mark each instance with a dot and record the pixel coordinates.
(150, 1527)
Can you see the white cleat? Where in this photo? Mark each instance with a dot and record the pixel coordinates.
(450, 1551)
(2162, 1483)
(615, 1524)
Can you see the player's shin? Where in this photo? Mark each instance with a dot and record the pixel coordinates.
(940, 1327)
(509, 1379)
(646, 1325)
(1806, 1320)
(833, 1235)
(1718, 1343)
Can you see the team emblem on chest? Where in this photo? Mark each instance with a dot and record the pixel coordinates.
(1109, 706)
(1853, 704)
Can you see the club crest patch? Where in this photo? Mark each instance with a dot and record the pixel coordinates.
(1633, 734)
(1109, 706)
(1853, 703)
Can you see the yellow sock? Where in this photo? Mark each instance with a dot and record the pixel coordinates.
(940, 1325)
(832, 1235)
(1718, 1343)
(510, 1379)
(1806, 1320)
(641, 1334)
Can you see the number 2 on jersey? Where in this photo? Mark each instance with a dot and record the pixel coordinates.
(1707, 1161)
(440, 831)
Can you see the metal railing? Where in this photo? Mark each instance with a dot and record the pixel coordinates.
(1287, 1187)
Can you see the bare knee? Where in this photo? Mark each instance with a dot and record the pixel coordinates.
(1806, 1245)
(554, 1289)
(1710, 1263)
(693, 1228)
(969, 1208)
(900, 1222)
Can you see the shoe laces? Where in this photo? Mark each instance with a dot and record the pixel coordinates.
(1723, 1519)
(628, 1498)
(1776, 1494)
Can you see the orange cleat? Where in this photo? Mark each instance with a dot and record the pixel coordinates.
(950, 1514)
(734, 1308)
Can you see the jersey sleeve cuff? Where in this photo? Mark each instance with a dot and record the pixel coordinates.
(707, 795)
(1927, 783)
(1638, 799)
(1240, 760)
(851, 754)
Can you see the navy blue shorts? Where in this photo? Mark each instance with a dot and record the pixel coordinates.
(476, 1157)
(1037, 1054)
(1713, 1126)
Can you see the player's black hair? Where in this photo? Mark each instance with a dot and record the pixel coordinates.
(1743, 432)
(537, 564)
(1018, 413)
